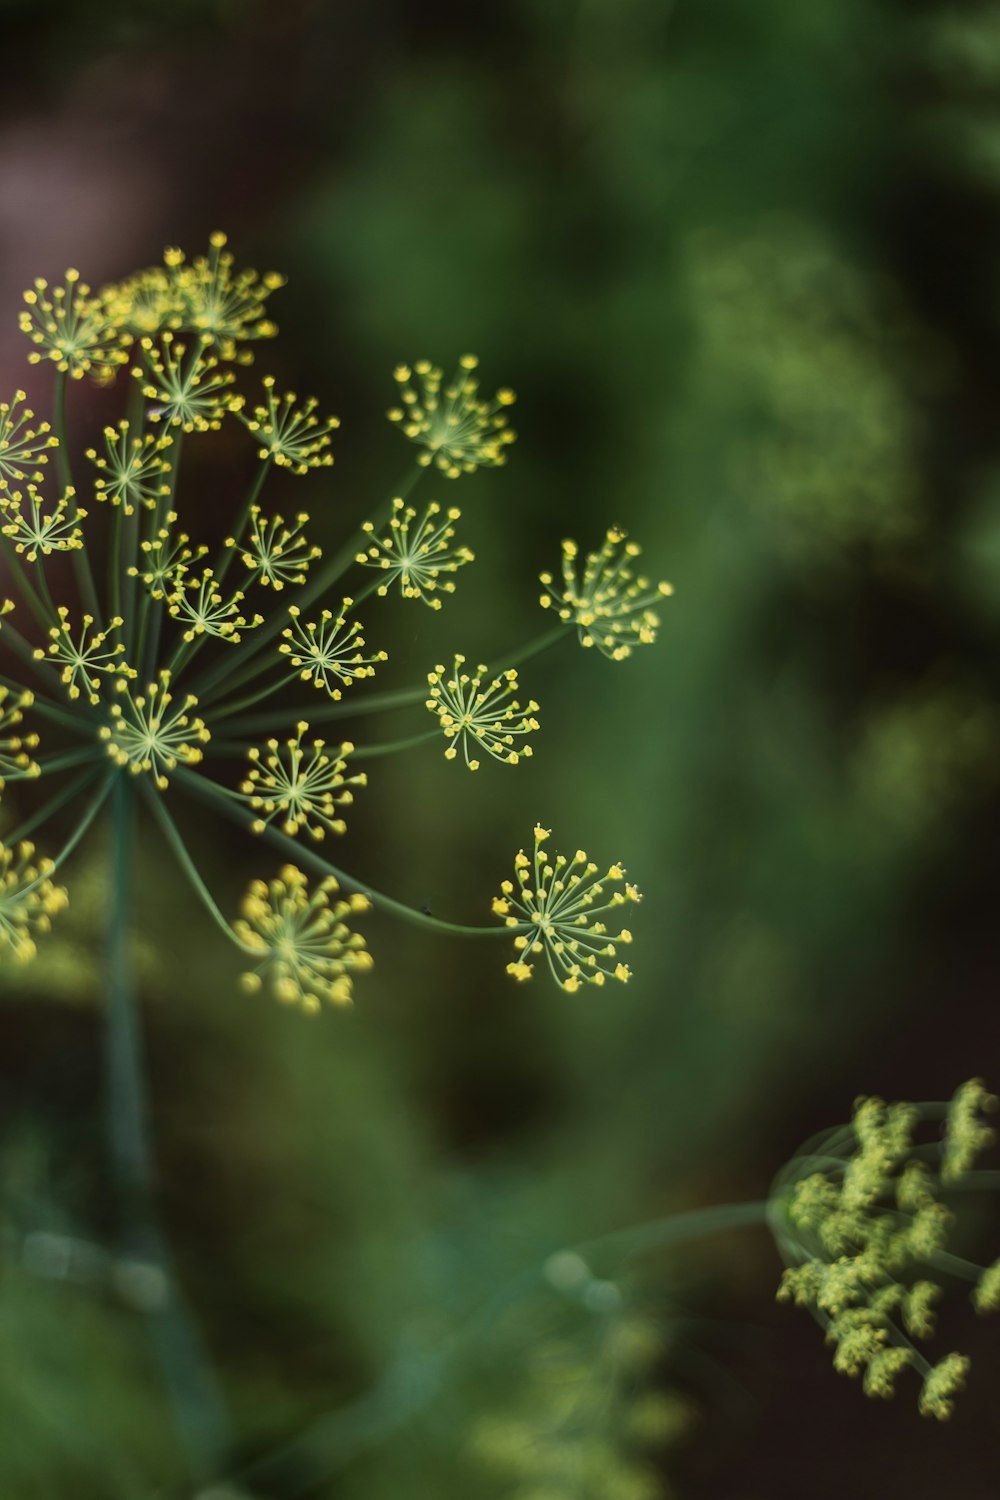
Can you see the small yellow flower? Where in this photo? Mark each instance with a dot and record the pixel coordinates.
(611, 609)
(489, 716)
(22, 444)
(35, 531)
(28, 899)
(188, 390)
(458, 430)
(304, 948)
(564, 903)
(83, 659)
(16, 763)
(300, 786)
(416, 556)
(276, 554)
(149, 735)
(328, 652)
(71, 327)
(294, 437)
(132, 470)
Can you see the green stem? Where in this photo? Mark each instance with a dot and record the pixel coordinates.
(64, 471)
(956, 1265)
(304, 855)
(152, 610)
(173, 836)
(197, 1407)
(50, 764)
(227, 710)
(81, 560)
(674, 1229)
(369, 752)
(253, 495)
(18, 570)
(50, 808)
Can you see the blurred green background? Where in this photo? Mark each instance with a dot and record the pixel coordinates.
(740, 264)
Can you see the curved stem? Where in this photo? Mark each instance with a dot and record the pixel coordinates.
(19, 574)
(81, 562)
(173, 836)
(304, 855)
(51, 807)
(197, 1407)
(253, 495)
(227, 710)
(674, 1229)
(369, 752)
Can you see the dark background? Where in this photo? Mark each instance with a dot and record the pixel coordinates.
(739, 263)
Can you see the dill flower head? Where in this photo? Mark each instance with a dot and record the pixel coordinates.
(328, 652)
(293, 436)
(154, 649)
(38, 529)
(862, 1228)
(199, 604)
(458, 430)
(300, 786)
(473, 715)
(416, 553)
(225, 306)
(612, 609)
(565, 903)
(16, 762)
(150, 734)
(187, 389)
(71, 327)
(28, 899)
(22, 444)
(132, 470)
(303, 945)
(274, 552)
(84, 657)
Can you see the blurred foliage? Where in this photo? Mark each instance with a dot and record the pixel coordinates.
(739, 263)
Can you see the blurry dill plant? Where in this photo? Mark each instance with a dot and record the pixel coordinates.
(862, 1217)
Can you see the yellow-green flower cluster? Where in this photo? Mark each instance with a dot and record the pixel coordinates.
(206, 297)
(457, 430)
(85, 657)
(300, 786)
(149, 734)
(611, 609)
(70, 326)
(303, 946)
(561, 908)
(16, 761)
(861, 1223)
(294, 437)
(416, 552)
(23, 448)
(38, 529)
(471, 714)
(28, 899)
(328, 652)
